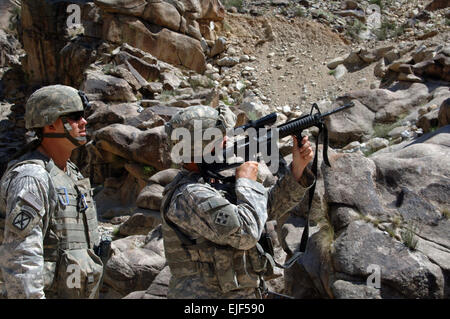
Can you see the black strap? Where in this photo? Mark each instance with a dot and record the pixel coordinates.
(304, 240)
(305, 234)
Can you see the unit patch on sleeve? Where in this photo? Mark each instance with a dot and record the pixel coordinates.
(22, 220)
(222, 219)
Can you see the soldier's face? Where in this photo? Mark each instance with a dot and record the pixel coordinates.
(78, 127)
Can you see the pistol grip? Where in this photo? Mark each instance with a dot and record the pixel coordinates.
(299, 138)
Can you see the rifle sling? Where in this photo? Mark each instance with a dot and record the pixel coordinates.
(304, 240)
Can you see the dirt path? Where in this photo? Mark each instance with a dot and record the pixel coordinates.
(292, 68)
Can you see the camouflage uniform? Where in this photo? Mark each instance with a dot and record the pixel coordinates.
(211, 243)
(51, 222)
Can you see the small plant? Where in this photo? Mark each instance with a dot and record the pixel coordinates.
(396, 221)
(166, 95)
(376, 222)
(226, 26)
(355, 29)
(116, 232)
(377, 2)
(381, 3)
(226, 100)
(332, 72)
(148, 170)
(228, 4)
(387, 30)
(300, 12)
(391, 231)
(446, 213)
(409, 237)
(108, 68)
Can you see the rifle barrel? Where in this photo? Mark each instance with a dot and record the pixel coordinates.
(343, 107)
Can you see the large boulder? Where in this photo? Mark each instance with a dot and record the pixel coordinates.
(100, 86)
(444, 113)
(350, 125)
(157, 290)
(403, 273)
(106, 114)
(146, 147)
(348, 175)
(163, 14)
(140, 223)
(134, 264)
(167, 45)
(127, 7)
(52, 56)
(151, 195)
(211, 10)
(387, 217)
(9, 49)
(390, 104)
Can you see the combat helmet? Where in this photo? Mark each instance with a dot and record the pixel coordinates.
(200, 117)
(49, 103)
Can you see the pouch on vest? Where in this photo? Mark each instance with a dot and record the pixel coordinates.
(262, 262)
(223, 264)
(79, 274)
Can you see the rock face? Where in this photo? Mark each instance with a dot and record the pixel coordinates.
(50, 57)
(147, 147)
(170, 30)
(350, 125)
(135, 262)
(384, 222)
(169, 46)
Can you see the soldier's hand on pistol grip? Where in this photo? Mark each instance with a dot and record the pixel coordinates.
(301, 156)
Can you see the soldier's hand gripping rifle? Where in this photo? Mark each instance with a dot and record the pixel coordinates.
(294, 127)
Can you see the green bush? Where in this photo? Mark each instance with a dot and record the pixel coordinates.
(300, 12)
(409, 237)
(233, 3)
(355, 28)
(388, 30)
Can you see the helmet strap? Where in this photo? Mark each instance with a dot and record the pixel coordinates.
(75, 140)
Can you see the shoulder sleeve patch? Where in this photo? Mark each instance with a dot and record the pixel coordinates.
(22, 219)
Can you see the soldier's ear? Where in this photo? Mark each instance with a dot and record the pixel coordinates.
(52, 127)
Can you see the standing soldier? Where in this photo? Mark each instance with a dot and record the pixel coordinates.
(211, 243)
(51, 222)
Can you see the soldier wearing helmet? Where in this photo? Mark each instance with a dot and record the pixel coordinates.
(211, 242)
(50, 218)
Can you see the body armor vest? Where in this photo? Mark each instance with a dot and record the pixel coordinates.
(221, 266)
(72, 269)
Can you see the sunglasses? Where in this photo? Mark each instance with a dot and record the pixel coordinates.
(75, 116)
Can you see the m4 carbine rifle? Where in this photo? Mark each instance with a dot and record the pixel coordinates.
(294, 127)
